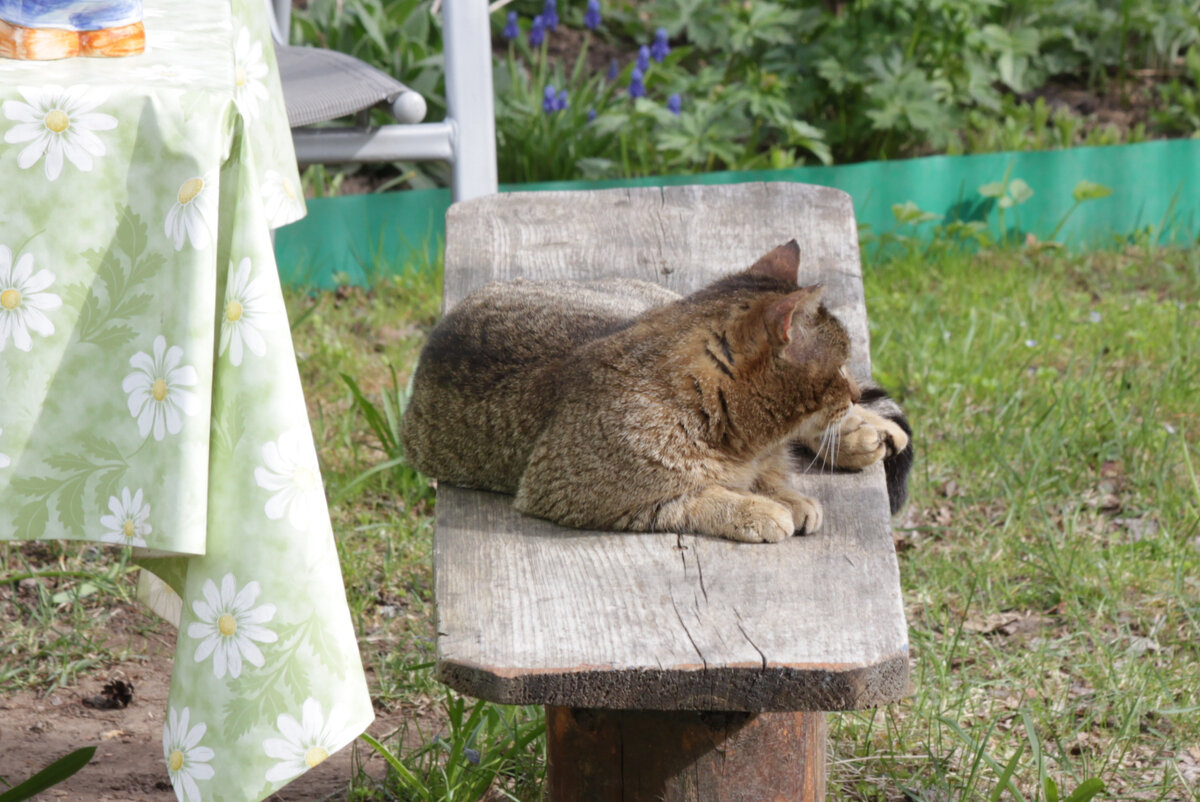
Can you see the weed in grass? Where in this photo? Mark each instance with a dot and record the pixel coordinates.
(356, 348)
(413, 489)
(50, 776)
(489, 749)
(55, 603)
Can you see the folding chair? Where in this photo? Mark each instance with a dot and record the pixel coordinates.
(323, 85)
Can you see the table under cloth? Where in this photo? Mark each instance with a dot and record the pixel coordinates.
(149, 393)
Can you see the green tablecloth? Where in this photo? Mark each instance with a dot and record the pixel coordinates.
(149, 395)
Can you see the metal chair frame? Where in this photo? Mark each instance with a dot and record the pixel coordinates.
(466, 138)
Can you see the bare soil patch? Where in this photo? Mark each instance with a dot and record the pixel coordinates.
(37, 728)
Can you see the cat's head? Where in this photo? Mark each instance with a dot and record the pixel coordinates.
(810, 346)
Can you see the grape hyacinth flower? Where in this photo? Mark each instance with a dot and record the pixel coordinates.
(550, 14)
(591, 17)
(660, 48)
(643, 59)
(511, 31)
(553, 101)
(613, 69)
(636, 87)
(537, 31)
(591, 116)
(674, 103)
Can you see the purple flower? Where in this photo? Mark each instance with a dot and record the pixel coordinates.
(660, 49)
(636, 87)
(674, 103)
(613, 69)
(550, 14)
(591, 17)
(511, 31)
(553, 101)
(591, 115)
(537, 31)
(643, 59)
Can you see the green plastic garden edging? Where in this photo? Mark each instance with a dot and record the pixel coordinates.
(1156, 189)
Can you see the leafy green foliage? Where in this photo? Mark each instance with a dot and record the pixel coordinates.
(605, 133)
(487, 747)
(385, 424)
(50, 776)
(780, 83)
(1179, 100)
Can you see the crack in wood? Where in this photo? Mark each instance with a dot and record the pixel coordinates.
(745, 635)
(692, 640)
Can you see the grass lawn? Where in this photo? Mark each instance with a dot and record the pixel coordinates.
(1050, 556)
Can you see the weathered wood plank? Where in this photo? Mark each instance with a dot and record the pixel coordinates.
(529, 612)
(680, 237)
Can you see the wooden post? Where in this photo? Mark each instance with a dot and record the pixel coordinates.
(684, 756)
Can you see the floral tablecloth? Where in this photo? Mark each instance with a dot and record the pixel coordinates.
(149, 395)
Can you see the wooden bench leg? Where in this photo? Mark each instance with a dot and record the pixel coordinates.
(683, 756)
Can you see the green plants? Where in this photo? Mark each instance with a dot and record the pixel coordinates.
(1007, 193)
(1084, 191)
(50, 776)
(649, 117)
(385, 425)
(487, 747)
(1179, 100)
(779, 83)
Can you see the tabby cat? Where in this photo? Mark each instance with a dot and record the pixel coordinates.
(618, 405)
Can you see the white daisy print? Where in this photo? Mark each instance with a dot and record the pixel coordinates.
(193, 216)
(58, 123)
(307, 742)
(187, 761)
(281, 199)
(291, 473)
(229, 624)
(128, 524)
(245, 302)
(5, 461)
(155, 387)
(250, 68)
(24, 300)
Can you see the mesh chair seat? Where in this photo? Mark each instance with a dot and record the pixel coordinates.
(321, 85)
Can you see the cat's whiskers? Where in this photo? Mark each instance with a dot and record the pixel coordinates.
(835, 445)
(825, 449)
(817, 453)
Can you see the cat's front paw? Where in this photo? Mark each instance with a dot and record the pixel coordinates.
(762, 521)
(867, 438)
(806, 512)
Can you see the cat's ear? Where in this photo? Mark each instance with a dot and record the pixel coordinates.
(781, 263)
(790, 316)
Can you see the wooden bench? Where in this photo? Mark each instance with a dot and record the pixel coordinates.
(672, 667)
